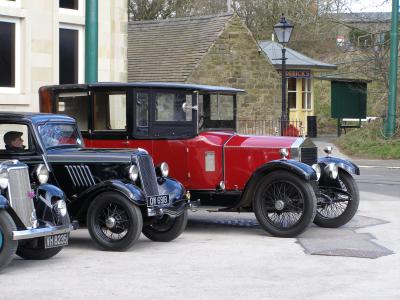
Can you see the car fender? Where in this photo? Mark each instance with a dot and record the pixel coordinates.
(171, 187)
(132, 192)
(3, 202)
(300, 169)
(49, 191)
(346, 165)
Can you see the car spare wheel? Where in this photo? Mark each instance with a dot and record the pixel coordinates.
(114, 222)
(284, 204)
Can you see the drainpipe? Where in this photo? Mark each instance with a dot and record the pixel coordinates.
(91, 41)
(391, 114)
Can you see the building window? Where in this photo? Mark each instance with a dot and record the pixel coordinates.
(69, 4)
(306, 93)
(292, 92)
(7, 54)
(69, 55)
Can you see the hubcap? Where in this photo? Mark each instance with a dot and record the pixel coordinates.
(279, 205)
(110, 222)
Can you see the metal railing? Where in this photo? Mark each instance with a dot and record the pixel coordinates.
(270, 127)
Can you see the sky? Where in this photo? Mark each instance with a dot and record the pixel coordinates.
(370, 5)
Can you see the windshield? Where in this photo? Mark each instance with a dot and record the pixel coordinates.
(60, 135)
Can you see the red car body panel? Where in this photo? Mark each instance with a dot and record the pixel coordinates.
(236, 156)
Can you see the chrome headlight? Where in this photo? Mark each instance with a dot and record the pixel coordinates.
(328, 150)
(317, 170)
(42, 174)
(284, 152)
(133, 173)
(332, 170)
(163, 169)
(3, 179)
(61, 207)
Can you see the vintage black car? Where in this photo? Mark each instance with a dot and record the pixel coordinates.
(34, 221)
(117, 193)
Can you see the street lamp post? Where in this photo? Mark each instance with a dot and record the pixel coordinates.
(283, 31)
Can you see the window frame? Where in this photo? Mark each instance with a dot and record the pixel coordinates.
(81, 49)
(293, 92)
(16, 89)
(308, 93)
(70, 11)
(16, 3)
(32, 140)
(108, 121)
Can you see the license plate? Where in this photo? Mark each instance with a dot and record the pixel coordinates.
(57, 240)
(160, 200)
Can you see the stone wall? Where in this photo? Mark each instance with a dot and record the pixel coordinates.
(234, 61)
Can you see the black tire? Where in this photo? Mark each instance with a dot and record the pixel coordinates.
(8, 246)
(167, 228)
(339, 213)
(126, 225)
(284, 204)
(37, 253)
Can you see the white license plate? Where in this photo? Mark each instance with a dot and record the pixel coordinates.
(160, 200)
(57, 240)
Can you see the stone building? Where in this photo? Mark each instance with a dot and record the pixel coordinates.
(215, 50)
(42, 42)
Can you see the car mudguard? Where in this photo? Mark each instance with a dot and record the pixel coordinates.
(132, 192)
(346, 165)
(300, 169)
(3, 202)
(171, 187)
(49, 191)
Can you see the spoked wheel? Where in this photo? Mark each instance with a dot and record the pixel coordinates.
(284, 204)
(166, 228)
(114, 222)
(342, 205)
(7, 245)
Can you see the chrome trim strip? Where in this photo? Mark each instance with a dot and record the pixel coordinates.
(90, 175)
(84, 179)
(40, 232)
(70, 175)
(75, 168)
(295, 149)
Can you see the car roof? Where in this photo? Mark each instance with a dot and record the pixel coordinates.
(155, 85)
(35, 117)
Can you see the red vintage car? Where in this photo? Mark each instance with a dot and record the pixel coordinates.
(193, 128)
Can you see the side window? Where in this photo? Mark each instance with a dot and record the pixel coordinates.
(75, 106)
(14, 138)
(169, 107)
(109, 111)
(221, 107)
(142, 110)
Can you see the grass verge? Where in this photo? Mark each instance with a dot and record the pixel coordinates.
(368, 142)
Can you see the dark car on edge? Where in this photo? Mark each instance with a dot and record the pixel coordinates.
(34, 222)
(117, 193)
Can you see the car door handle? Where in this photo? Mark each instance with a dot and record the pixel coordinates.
(125, 143)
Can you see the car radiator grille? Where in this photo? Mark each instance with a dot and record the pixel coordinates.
(147, 175)
(19, 188)
(80, 175)
(309, 155)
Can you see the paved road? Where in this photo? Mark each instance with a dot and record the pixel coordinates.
(227, 256)
(380, 180)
